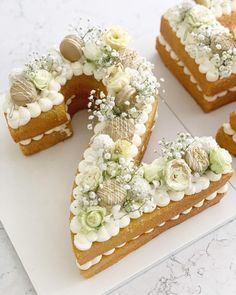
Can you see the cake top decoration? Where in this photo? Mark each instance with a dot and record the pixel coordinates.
(89, 50)
(209, 43)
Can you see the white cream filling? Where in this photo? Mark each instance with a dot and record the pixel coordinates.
(97, 259)
(62, 129)
(229, 131)
(188, 73)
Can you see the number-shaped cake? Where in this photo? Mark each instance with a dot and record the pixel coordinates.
(117, 204)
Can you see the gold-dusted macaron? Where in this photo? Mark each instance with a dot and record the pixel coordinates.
(71, 48)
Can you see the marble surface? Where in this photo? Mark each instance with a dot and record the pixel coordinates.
(206, 267)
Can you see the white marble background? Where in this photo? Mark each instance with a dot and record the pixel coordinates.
(206, 267)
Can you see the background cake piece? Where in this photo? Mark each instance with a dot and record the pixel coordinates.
(226, 134)
(204, 48)
(207, 103)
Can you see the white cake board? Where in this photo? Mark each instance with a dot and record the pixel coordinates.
(35, 191)
(34, 209)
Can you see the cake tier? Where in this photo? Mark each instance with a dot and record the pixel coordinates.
(36, 126)
(120, 252)
(148, 221)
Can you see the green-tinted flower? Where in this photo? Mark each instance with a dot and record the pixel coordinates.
(91, 219)
(220, 161)
(122, 148)
(154, 171)
(198, 16)
(41, 79)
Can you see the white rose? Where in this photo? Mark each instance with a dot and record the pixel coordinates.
(116, 37)
(177, 175)
(199, 15)
(92, 51)
(41, 79)
(117, 79)
(90, 178)
(206, 143)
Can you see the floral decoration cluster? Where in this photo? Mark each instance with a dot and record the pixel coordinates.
(183, 160)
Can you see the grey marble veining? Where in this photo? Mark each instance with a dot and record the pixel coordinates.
(206, 267)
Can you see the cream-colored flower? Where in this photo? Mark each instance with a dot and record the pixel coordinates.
(220, 161)
(177, 175)
(90, 178)
(41, 79)
(197, 159)
(116, 37)
(117, 79)
(122, 148)
(92, 51)
(91, 219)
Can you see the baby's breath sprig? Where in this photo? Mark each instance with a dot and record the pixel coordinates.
(176, 149)
(100, 107)
(38, 62)
(86, 31)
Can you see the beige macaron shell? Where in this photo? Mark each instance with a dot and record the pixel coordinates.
(70, 48)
